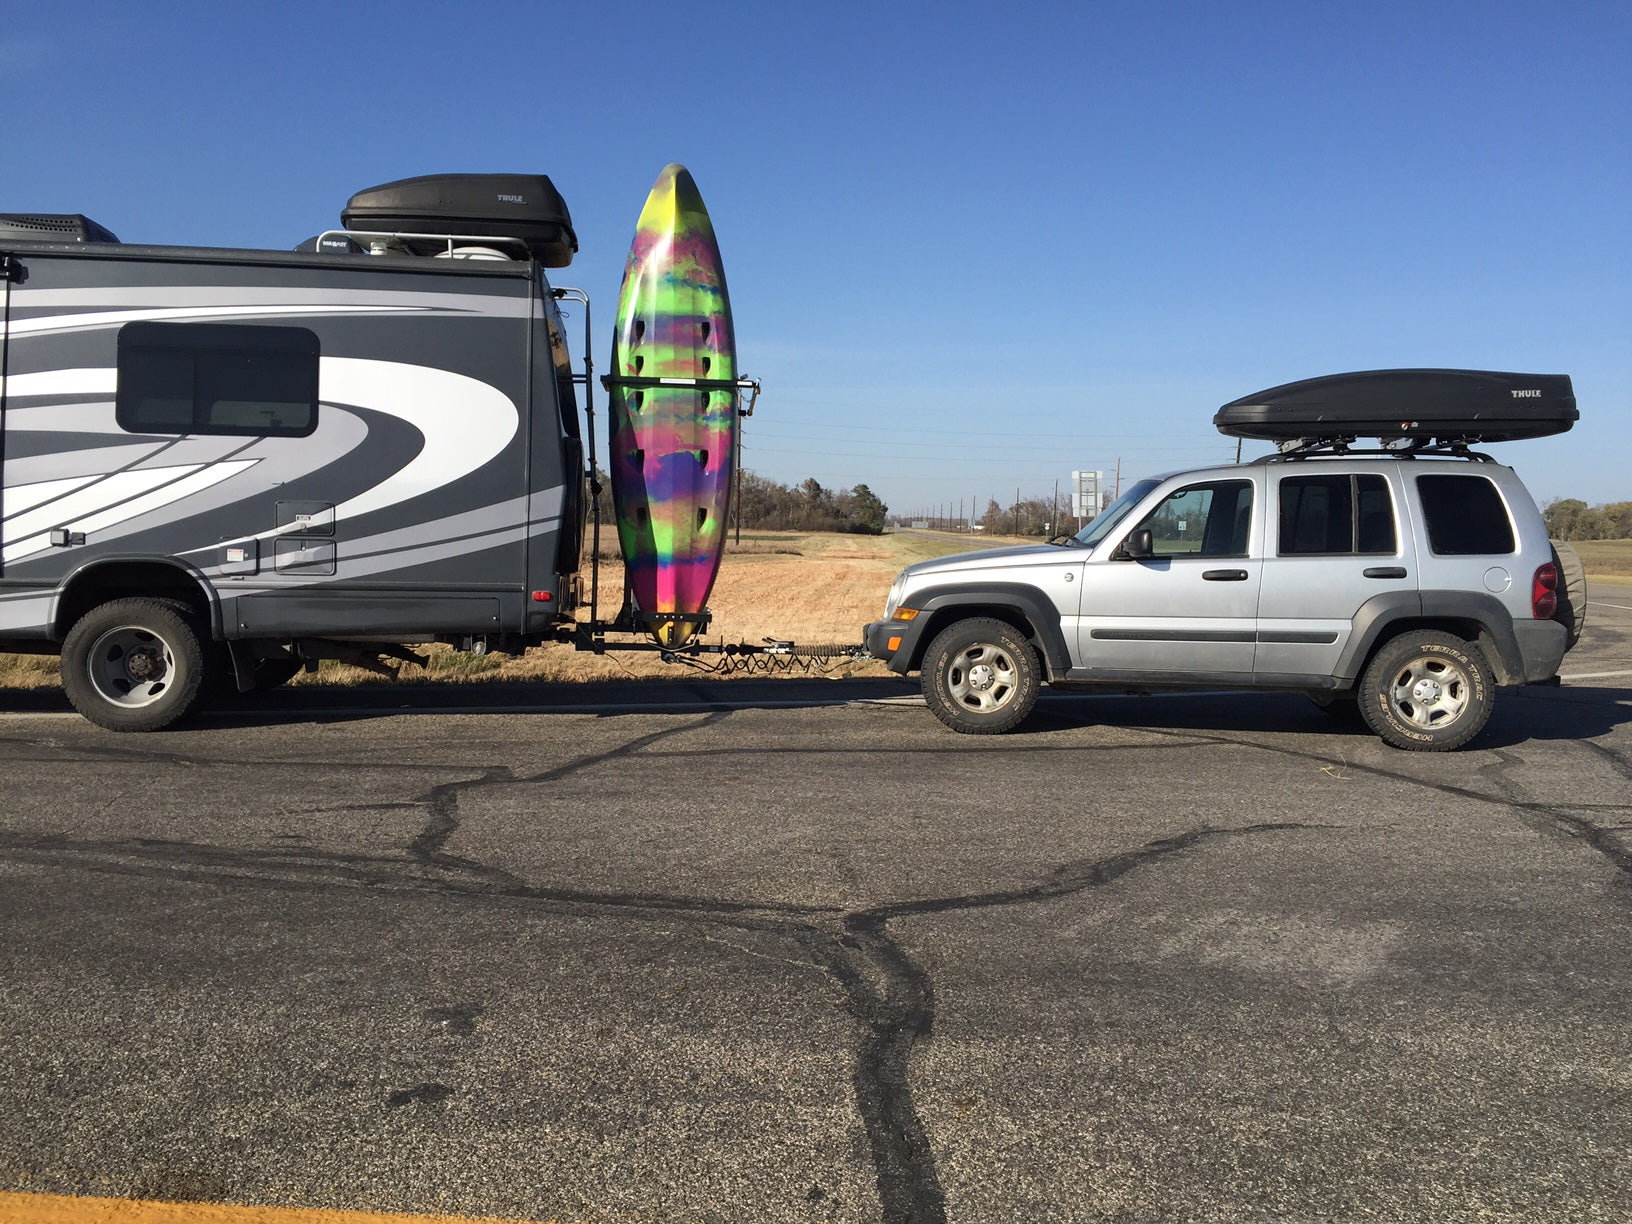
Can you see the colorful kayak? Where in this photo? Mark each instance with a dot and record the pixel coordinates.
(674, 411)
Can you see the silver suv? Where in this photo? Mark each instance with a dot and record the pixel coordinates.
(1409, 580)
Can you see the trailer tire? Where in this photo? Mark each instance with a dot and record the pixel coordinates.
(135, 664)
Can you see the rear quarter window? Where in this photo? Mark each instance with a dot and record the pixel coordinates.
(1466, 516)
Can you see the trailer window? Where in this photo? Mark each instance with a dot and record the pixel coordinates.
(217, 378)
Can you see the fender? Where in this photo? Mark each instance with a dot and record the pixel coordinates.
(1378, 616)
(1036, 608)
(133, 574)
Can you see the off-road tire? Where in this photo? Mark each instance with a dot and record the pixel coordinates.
(135, 664)
(1427, 691)
(980, 676)
(1572, 591)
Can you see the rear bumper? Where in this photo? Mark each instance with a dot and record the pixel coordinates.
(1542, 644)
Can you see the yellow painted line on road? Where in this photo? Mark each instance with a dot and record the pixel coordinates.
(69, 1209)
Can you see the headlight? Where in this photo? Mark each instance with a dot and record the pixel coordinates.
(895, 594)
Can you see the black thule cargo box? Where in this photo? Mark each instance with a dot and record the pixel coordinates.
(1447, 405)
(526, 207)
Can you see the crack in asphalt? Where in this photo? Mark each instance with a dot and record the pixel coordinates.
(1560, 816)
(888, 995)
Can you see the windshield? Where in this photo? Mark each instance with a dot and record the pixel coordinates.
(1114, 513)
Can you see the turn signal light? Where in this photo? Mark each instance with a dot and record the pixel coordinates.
(893, 645)
(1544, 592)
(905, 614)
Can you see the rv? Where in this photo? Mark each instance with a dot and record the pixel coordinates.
(220, 466)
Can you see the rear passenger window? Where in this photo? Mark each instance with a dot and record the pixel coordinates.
(217, 378)
(1336, 515)
(1466, 516)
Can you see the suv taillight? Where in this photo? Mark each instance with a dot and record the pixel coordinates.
(1544, 592)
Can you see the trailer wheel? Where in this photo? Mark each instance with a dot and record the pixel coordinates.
(134, 664)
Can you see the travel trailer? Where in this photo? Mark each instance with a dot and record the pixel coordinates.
(220, 466)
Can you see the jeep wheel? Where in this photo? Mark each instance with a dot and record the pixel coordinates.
(980, 676)
(134, 664)
(1427, 692)
(1572, 591)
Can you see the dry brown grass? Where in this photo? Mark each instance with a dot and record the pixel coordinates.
(1607, 559)
(813, 589)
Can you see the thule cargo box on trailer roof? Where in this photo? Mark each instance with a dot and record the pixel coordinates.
(526, 207)
(1449, 405)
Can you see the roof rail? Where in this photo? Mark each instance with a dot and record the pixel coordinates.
(386, 242)
(1340, 446)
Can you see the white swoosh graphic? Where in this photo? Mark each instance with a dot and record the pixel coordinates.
(51, 324)
(78, 510)
(464, 423)
(25, 497)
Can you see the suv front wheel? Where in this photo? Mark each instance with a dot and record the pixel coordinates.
(1427, 691)
(980, 676)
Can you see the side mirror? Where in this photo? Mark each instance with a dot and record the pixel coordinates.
(1139, 545)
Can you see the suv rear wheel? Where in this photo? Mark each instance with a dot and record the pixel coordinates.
(980, 676)
(1427, 691)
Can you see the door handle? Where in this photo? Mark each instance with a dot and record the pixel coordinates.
(1225, 575)
(1386, 571)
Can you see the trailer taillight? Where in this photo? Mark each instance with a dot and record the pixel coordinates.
(1544, 592)
(542, 597)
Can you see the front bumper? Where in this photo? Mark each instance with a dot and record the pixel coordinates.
(879, 637)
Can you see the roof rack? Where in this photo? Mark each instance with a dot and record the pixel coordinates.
(395, 242)
(1334, 446)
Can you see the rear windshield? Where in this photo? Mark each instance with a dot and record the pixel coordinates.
(1466, 516)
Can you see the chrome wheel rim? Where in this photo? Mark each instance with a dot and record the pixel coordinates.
(131, 666)
(1430, 692)
(983, 678)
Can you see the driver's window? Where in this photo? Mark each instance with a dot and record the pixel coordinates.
(1205, 520)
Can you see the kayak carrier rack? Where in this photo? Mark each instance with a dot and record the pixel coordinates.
(772, 658)
(769, 657)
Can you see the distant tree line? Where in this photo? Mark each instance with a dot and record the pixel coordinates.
(809, 507)
(1034, 516)
(769, 506)
(1572, 519)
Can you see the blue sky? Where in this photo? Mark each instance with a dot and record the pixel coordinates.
(970, 246)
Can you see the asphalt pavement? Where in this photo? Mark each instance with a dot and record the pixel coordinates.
(791, 951)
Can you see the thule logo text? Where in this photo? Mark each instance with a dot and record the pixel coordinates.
(512, 199)
(1531, 394)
